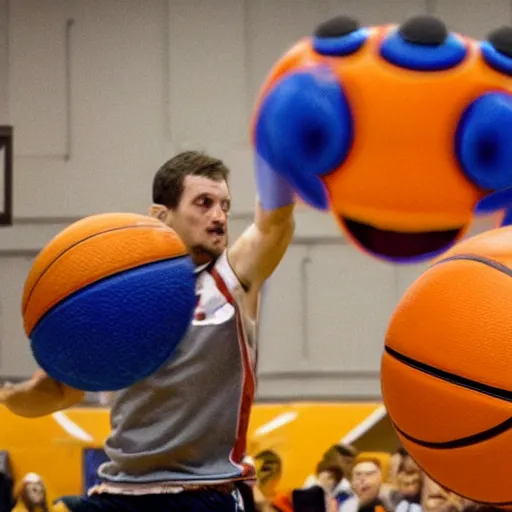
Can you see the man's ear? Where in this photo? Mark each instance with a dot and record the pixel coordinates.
(159, 212)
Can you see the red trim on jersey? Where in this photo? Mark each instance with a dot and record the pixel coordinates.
(248, 384)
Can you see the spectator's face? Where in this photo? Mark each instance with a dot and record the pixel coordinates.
(409, 465)
(327, 480)
(366, 481)
(436, 499)
(409, 484)
(34, 492)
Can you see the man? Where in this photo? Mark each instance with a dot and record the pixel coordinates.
(31, 495)
(269, 470)
(178, 437)
(407, 482)
(343, 456)
(434, 498)
(409, 485)
(408, 496)
(366, 485)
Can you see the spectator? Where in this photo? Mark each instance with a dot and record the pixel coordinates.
(407, 488)
(409, 491)
(394, 463)
(343, 456)
(328, 477)
(268, 474)
(366, 486)
(436, 499)
(410, 485)
(31, 495)
(409, 465)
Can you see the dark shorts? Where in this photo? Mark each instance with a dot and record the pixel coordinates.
(192, 501)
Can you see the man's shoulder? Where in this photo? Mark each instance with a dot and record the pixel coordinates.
(226, 271)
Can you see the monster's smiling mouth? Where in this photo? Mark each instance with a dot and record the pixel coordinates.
(400, 245)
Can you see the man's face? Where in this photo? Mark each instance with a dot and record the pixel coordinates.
(409, 484)
(410, 465)
(327, 480)
(201, 218)
(436, 499)
(366, 481)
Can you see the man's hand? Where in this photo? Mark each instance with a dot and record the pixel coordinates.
(39, 396)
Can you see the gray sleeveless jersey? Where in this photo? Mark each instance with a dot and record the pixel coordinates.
(188, 421)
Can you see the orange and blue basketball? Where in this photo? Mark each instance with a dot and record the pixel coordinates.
(108, 300)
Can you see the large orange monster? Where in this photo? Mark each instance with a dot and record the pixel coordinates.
(402, 132)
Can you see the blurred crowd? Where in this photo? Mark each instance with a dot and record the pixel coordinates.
(343, 481)
(347, 481)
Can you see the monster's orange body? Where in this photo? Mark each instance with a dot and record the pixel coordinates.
(401, 177)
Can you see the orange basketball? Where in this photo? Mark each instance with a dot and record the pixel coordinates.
(446, 371)
(107, 300)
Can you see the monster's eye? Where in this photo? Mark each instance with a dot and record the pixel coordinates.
(339, 36)
(497, 50)
(483, 141)
(423, 43)
(303, 130)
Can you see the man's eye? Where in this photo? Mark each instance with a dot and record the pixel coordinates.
(226, 206)
(205, 201)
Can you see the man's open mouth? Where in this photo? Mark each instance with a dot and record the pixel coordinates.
(217, 230)
(396, 245)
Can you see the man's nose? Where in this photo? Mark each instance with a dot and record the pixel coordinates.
(219, 215)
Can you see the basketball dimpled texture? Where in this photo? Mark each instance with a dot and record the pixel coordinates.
(446, 370)
(108, 300)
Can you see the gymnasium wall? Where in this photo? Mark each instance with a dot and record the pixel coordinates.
(101, 92)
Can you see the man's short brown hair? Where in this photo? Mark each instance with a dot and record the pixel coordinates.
(168, 180)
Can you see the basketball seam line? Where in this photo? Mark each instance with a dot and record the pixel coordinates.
(458, 381)
(413, 440)
(461, 442)
(452, 378)
(478, 259)
(75, 245)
